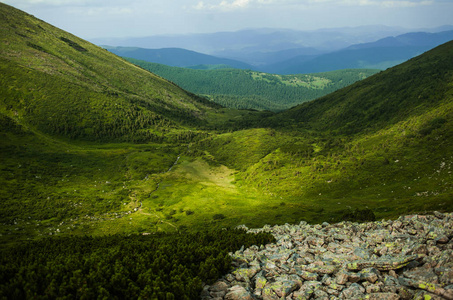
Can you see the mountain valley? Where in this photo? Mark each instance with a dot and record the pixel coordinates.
(105, 148)
(99, 153)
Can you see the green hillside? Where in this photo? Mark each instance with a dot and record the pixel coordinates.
(384, 143)
(410, 90)
(245, 89)
(85, 135)
(60, 84)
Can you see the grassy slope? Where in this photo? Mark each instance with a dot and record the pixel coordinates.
(57, 90)
(245, 89)
(410, 89)
(68, 112)
(384, 142)
(60, 84)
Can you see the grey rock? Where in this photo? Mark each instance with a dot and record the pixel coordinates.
(219, 286)
(238, 292)
(369, 274)
(408, 258)
(383, 296)
(354, 291)
(283, 286)
(306, 275)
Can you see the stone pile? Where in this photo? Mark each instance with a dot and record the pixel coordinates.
(409, 258)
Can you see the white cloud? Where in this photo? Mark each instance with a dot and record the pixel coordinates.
(48, 2)
(229, 5)
(386, 3)
(96, 11)
(234, 4)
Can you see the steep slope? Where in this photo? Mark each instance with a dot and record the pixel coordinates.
(60, 84)
(175, 57)
(410, 89)
(61, 100)
(381, 54)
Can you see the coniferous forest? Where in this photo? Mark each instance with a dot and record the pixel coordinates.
(161, 266)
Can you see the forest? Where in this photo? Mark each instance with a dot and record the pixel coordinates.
(147, 266)
(245, 89)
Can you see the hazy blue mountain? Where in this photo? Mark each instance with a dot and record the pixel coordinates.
(260, 40)
(382, 54)
(260, 58)
(410, 39)
(175, 57)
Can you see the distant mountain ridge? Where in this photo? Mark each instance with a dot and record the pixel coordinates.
(175, 57)
(264, 39)
(409, 39)
(381, 54)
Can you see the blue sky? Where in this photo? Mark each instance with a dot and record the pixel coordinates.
(126, 18)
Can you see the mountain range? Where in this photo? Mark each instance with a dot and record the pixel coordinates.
(265, 40)
(380, 54)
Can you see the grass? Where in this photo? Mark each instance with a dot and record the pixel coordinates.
(253, 177)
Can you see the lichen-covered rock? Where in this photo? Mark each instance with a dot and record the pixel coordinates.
(238, 292)
(408, 258)
(355, 290)
(383, 296)
(369, 274)
(342, 277)
(383, 264)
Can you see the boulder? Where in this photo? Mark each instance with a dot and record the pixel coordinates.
(238, 292)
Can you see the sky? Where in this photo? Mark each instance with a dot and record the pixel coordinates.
(134, 18)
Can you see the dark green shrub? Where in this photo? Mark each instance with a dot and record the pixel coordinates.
(359, 215)
(219, 216)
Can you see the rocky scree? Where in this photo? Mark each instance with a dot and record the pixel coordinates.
(409, 258)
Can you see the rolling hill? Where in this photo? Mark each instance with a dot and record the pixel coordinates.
(175, 57)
